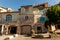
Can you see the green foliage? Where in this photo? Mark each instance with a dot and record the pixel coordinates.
(53, 14)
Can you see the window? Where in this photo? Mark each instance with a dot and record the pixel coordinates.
(41, 10)
(26, 17)
(26, 9)
(8, 17)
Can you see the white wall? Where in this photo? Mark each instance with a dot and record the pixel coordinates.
(36, 18)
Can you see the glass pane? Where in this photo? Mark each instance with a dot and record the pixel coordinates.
(9, 17)
(26, 17)
(26, 10)
(41, 10)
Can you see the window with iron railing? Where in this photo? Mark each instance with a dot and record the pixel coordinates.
(41, 10)
(9, 17)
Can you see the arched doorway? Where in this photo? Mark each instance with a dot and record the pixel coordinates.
(12, 29)
(26, 29)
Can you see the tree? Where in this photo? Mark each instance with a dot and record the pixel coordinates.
(53, 14)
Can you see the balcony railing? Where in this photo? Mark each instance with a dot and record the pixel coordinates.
(4, 21)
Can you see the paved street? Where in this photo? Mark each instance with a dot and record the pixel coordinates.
(22, 37)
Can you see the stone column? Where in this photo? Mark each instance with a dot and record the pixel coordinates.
(18, 30)
(48, 27)
(6, 29)
(18, 27)
(2, 28)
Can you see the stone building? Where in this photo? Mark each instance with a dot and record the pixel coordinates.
(24, 20)
(8, 21)
(33, 17)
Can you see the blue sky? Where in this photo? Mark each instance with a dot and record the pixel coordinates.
(15, 4)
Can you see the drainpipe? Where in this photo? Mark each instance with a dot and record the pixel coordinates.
(2, 29)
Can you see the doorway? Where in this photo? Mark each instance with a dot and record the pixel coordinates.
(25, 29)
(39, 29)
(12, 30)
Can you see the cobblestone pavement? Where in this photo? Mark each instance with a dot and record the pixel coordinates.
(2, 37)
(22, 37)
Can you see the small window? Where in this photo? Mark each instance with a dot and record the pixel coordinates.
(41, 10)
(26, 17)
(26, 9)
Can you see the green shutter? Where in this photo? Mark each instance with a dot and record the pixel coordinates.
(42, 19)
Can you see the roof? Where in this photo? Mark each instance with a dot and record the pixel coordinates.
(36, 6)
(27, 6)
(10, 12)
(3, 7)
(41, 5)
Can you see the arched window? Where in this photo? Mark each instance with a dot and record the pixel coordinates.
(9, 17)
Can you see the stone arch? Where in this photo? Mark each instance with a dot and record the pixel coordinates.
(26, 29)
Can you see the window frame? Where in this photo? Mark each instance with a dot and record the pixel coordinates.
(9, 17)
(26, 9)
(41, 10)
(26, 17)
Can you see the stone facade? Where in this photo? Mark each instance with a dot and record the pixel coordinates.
(6, 24)
(23, 20)
(30, 16)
